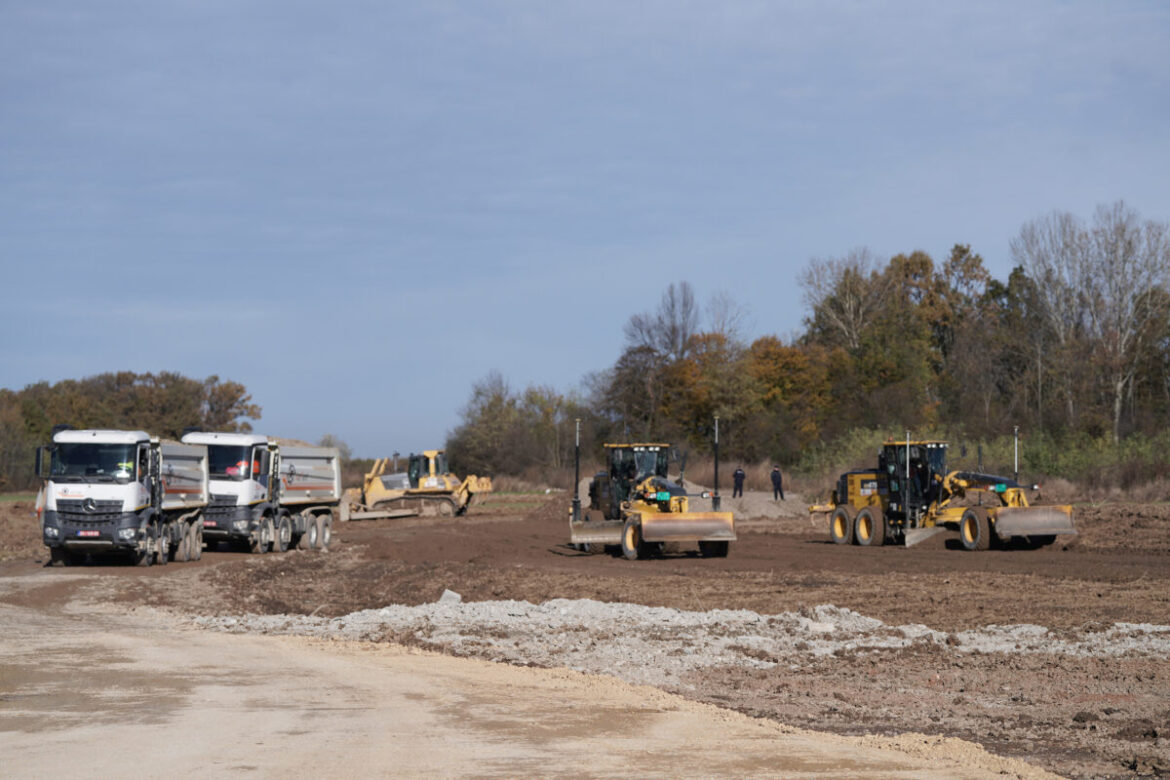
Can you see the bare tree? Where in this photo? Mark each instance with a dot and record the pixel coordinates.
(1052, 251)
(668, 331)
(1127, 262)
(1100, 283)
(844, 294)
(726, 317)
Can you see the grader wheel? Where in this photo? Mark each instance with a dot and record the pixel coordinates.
(841, 525)
(869, 527)
(975, 529)
(633, 547)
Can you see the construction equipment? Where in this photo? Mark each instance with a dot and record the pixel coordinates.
(121, 491)
(268, 496)
(911, 497)
(427, 487)
(634, 505)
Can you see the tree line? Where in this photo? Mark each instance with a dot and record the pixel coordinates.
(1073, 346)
(162, 404)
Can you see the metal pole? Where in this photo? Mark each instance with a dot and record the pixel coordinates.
(715, 497)
(907, 460)
(577, 474)
(1016, 432)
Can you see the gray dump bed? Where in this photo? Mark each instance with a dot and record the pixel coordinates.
(184, 475)
(310, 475)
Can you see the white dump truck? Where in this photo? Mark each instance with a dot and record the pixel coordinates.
(267, 496)
(122, 491)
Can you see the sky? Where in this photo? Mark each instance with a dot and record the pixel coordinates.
(359, 209)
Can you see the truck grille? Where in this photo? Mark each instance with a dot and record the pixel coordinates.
(74, 510)
(222, 499)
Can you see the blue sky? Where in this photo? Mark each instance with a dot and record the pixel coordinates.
(358, 209)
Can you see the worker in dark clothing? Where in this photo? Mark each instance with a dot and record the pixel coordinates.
(737, 477)
(777, 484)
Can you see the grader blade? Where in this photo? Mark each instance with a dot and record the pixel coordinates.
(689, 527)
(916, 535)
(1034, 521)
(595, 532)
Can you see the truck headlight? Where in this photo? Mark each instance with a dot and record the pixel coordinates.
(127, 533)
(240, 525)
(51, 532)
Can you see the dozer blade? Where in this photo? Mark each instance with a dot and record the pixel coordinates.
(1034, 521)
(688, 527)
(596, 532)
(916, 535)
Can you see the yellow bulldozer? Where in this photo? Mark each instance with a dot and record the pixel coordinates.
(427, 487)
(911, 497)
(632, 504)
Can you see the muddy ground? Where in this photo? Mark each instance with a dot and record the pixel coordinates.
(1056, 656)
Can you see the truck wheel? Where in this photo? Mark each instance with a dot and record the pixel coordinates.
(183, 548)
(283, 539)
(841, 525)
(975, 530)
(62, 556)
(145, 556)
(869, 527)
(312, 535)
(195, 542)
(714, 549)
(262, 539)
(632, 544)
(162, 550)
(324, 531)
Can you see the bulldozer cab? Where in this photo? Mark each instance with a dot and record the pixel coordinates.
(430, 463)
(915, 472)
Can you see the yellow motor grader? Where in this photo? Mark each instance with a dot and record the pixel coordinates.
(632, 504)
(911, 497)
(427, 487)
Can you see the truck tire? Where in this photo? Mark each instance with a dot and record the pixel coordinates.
(183, 548)
(283, 538)
(633, 547)
(162, 550)
(62, 556)
(841, 525)
(324, 532)
(714, 549)
(974, 529)
(195, 541)
(145, 557)
(312, 534)
(262, 540)
(869, 527)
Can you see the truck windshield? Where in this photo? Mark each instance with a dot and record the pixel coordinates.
(228, 461)
(91, 462)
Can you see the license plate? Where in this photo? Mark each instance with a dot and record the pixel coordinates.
(88, 533)
(210, 524)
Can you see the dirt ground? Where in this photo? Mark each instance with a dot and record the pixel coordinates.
(1056, 657)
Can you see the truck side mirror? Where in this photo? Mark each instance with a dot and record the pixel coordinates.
(42, 472)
